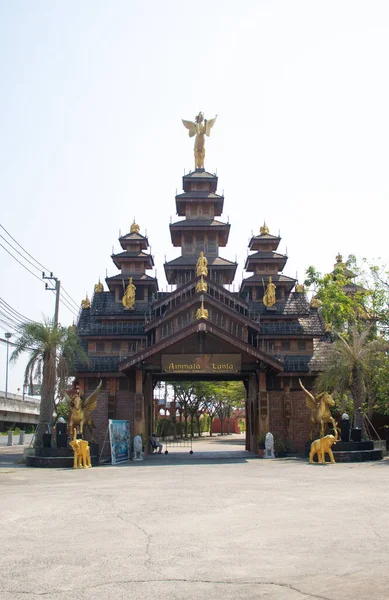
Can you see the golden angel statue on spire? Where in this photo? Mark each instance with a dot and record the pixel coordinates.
(199, 128)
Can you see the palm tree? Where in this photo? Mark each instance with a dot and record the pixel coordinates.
(53, 350)
(349, 365)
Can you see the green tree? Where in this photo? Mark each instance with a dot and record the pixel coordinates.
(350, 365)
(220, 398)
(52, 352)
(343, 300)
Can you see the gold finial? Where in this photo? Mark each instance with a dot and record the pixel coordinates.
(99, 287)
(300, 289)
(128, 299)
(201, 265)
(201, 285)
(264, 230)
(339, 258)
(85, 303)
(269, 297)
(315, 302)
(199, 128)
(134, 227)
(202, 312)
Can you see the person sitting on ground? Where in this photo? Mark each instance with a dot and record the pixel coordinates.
(155, 444)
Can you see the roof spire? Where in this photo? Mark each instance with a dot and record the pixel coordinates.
(264, 230)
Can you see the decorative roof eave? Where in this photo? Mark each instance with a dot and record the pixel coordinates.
(199, 175)
(117, 281)
(190, 261)
(145, 259)
(131, 238)
(201, 195)
(270, 242)
(209, 198)
(229, 275)
(156, 322)
(276, 262)
(279, 280)
(200, 325)
(137, 277)
(177, 229)
(185, 287)
(200, 224)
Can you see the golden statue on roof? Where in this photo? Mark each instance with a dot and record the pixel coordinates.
(202, 312)
(128, 299)
(201, 265)
(269, 297)
(201, 285)
(99, 287)
(134, 227)
(85, 303)
(264, 230)
(199, 128)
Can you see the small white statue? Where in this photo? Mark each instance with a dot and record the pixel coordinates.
(138, 443)
(269, 446)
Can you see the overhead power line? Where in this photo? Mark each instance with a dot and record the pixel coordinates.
(24, 250)
(18, 314)
(8, 325)
(20, 254)
(68, 302)
(10, 317)
(20, 263)
(70, 298)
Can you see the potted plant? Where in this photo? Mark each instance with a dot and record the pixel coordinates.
(261, 445)
(281, 447)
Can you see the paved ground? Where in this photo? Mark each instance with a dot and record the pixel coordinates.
(209, 529)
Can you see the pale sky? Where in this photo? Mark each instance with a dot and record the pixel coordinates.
(92, 95)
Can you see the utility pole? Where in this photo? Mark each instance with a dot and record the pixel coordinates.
(7, 336)
(57, 290)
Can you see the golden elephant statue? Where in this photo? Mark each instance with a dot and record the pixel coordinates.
(81, 452)
(323, 446)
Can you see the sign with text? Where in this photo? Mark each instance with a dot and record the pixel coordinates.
(201, 363)
(119, 435)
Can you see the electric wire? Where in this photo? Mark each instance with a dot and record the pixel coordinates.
(26, 259)
(69, 296)
(24, 250)
(8, 325)
(2, 301)
(20, 263)
(69, 307)
(11, 318)
(20, 254)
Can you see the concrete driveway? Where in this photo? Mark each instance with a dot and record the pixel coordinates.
(209, 529)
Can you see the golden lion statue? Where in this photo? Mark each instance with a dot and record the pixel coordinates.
(81, 452)
(322, 446)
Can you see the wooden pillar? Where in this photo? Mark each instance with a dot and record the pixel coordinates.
(148, 409)
(252, 417)
(263, 402)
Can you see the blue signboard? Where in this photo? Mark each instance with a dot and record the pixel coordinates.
(119, 435)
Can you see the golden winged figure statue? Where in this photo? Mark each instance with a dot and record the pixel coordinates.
(199, 128)
(81, 410)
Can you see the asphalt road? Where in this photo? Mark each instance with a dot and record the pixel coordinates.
(208, 529)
